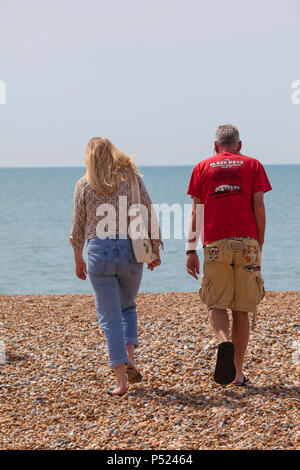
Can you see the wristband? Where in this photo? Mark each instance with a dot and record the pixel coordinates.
(191, 251)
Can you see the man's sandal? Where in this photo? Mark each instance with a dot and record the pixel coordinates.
(243, 383)
(225, 369)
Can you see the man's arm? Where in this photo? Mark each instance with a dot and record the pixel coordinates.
(192, 260)
(260, 216)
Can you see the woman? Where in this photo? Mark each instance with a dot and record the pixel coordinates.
(102, 198)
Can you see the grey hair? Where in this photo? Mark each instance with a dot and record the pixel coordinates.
(227, 136)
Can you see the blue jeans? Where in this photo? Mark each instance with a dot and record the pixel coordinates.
(115, 276)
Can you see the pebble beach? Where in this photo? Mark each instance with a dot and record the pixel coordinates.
(54, 378)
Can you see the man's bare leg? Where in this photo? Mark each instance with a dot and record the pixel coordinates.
(225, 369)
(219, 321)
(240, 338)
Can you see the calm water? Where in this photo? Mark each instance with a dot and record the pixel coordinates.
(35, 221)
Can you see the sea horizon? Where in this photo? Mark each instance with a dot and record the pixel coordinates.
(36, 212)
(141, 166)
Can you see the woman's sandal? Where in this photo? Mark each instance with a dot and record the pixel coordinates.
(115, 394)
(133, 376)
(243, 383)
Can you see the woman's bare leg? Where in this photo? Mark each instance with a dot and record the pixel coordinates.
(121, 386)
(130, 352)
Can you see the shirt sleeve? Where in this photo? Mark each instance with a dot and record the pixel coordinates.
(260, 181)
(77, 235)
(194, 189)
(154, 231)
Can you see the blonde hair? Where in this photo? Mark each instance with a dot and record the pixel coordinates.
(106, 166)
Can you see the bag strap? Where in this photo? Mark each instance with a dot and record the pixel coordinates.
(135, 188)
(135, 194)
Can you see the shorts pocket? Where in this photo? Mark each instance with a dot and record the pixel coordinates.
(255, 287)
(205, 290)
(261, 286)
(97, 262)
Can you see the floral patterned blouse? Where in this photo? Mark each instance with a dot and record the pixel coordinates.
(86, 202)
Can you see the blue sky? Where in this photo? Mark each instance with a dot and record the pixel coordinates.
(156, 78)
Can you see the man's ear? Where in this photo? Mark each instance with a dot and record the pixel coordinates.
(216, 147)
(240, 146)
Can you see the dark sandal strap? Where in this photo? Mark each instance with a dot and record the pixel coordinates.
(242, 384)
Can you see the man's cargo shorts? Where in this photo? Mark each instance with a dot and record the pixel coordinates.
(231, 275)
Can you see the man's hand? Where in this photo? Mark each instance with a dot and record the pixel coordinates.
(81, 269)
(193, 265)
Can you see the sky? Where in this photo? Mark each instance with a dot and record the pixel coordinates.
(156, 78)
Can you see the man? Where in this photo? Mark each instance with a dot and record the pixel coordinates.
(231, 188)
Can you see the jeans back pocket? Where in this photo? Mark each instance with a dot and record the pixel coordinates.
(97, 262)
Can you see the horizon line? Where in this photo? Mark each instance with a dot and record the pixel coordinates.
(139, 166)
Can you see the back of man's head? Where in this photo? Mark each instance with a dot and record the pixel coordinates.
(227, 138)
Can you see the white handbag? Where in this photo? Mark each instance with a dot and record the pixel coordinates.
(141, 242)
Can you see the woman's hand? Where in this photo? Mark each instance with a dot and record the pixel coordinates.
(80, 264)
(81, 269)
(155, 263)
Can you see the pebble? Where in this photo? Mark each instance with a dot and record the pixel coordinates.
(54, 385)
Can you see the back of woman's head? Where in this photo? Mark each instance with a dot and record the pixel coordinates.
(106, 166)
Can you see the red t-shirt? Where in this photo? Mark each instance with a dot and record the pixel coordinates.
(226, 183)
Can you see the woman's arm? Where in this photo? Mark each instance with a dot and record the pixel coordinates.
(80, 265)
(77, 235)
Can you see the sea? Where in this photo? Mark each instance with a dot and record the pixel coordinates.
(36, 218)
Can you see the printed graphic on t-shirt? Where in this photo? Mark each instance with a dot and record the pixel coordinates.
(227, 188)
(227, 178)
(226, 163)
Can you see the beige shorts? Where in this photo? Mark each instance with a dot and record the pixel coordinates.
(231, 275)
